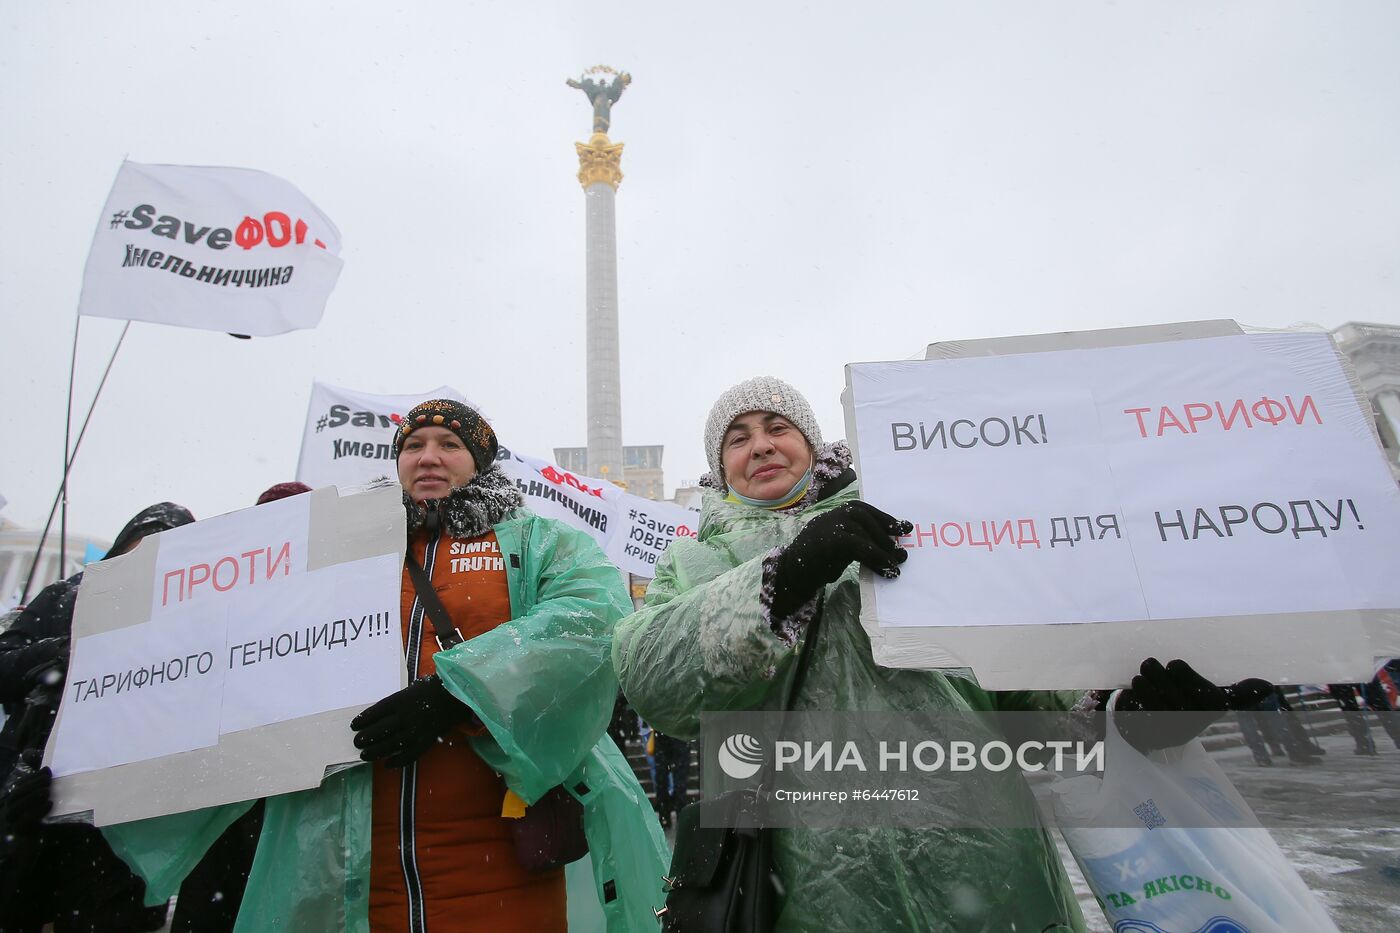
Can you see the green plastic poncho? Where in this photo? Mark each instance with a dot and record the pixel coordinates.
(701, 644)
(543, 686)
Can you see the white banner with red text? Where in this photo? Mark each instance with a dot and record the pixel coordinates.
(215, 248)
(632, 531)
(1212, 479)
(347, 441)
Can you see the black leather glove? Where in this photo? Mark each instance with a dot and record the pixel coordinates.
(404, 725)
(43, 661)
(50, 672)
(1177, 688)
(26, 800)
(831, 542)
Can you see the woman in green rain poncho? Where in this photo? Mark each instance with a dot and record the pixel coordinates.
(781, 532)
(488, 725)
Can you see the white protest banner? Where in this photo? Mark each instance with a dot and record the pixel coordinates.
(226, 249)
(348, 436)
(644, 529)
(223, 660)
(347, 441)
(1221, 499)
(632, 531)
(585, 503)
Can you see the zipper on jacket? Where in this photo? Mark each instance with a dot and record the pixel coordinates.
(408, 782)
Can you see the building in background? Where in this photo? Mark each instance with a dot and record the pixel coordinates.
(1374, 352)
(17, 549)
(642, 475)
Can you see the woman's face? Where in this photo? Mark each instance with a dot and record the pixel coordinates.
(764, 455)
(432, 462)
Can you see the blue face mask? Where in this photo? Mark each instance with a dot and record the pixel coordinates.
(786, 499)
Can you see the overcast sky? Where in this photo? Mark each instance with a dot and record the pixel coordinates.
(806, 185)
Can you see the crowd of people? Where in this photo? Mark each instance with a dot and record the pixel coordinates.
(494, 767)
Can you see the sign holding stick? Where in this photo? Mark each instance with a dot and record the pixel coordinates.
(1217, 498)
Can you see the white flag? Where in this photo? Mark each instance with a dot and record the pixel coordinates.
(226, 249)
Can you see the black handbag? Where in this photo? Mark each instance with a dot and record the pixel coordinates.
(550, 834)
(722, 877)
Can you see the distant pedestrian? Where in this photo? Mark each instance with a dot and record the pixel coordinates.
(1346, 695)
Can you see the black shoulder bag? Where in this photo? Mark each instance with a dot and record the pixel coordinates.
(550, 834)
(722, 876)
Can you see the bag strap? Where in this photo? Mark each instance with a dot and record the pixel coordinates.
(443, 629)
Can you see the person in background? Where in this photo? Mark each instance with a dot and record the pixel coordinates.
(1346, 697)
(1383, 698)
(672, 773)
(623, 726)
(66, 872)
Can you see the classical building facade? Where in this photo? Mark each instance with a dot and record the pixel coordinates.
(1374, 352)
(17, 549)
(641, 468)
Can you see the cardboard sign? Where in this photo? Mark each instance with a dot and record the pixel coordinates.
(223, 660)
(1129, 497)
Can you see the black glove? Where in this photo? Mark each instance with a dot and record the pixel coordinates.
(50, 672)
(39, 658)
(26, 800)
(1177, 688)
(404, 725)
(831, 542)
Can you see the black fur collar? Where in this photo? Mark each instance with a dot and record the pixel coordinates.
(469, 511)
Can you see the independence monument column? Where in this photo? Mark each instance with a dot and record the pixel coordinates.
(600, 172)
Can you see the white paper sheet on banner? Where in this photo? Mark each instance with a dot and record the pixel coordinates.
(201, 563)
(116, 713)
(354, 599)
(1092, 460)
(245, 687)
(1048, 552)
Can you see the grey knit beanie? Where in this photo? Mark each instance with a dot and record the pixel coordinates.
(761, 393)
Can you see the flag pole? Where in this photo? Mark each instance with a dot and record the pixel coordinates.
(68, 461)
